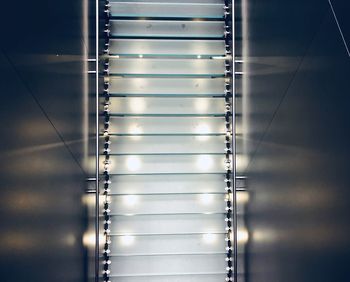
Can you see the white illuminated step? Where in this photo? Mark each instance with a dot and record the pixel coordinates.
(135, 86)
(167, 28)
(180, 223)
(166, 144)
(143, 184)
(167, 125)
(168, 47)
(163, 265)
(205, 277)
(166, 106)
(158, 164)
(169, 10)
(168, 204)
(166, 67)
(168, 244)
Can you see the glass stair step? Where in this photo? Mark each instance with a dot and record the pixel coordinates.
(166, 86)
(167, 29)
(166, 10)
(165, 144)
(168, 47)
(166, 106)
(166, 67)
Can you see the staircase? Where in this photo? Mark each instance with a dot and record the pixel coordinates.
(167, 174)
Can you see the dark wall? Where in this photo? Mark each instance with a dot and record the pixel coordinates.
(42, 141)
(296, 134)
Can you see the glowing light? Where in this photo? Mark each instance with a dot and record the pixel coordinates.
(135, 130)
(130, 200)
(203, 129)
(242, 197)
(205, 162)
(206, 199)
(242, 236)
(140, 56)
(199, 56)
(202, 105)
(89, 239)
(127, 240)
(137, 105)
(209, 238)
(133, 163)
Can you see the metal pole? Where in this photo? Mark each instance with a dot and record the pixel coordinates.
(97, 172)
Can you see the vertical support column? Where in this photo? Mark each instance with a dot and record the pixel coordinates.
(97, 166)
(106, 152)
(233, 109)
(231, 197)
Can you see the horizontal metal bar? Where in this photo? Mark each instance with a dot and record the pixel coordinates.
(166, 254)
(166, 274)
(168, 154)
(165, 234)
(167, 194)
(166, 115)
(178, 213)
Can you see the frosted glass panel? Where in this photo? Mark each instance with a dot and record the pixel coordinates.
(134, 184)
(152, 28)
(170, 10)
(173, 278)
(134, 164)
(175, 106)
(169, 125)
(152, 224)
(169, 244)
(165, 67)
(176, 203)
(141, 266)
(167, 47)
(166, 144)
(172, 1)
(167, 86)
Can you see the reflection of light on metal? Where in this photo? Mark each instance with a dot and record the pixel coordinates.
(70, 240)
(242, 235)
(85, 80)
(133, 163)
(206, 199)
(204, 162)
(130, 200)
(137, 105)
(202, 129)
(209, 238)
(243, 126)
(242, 197)
(16, 241)
(89, 239)
(90, 199)
(127, 240)
(241, 162)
